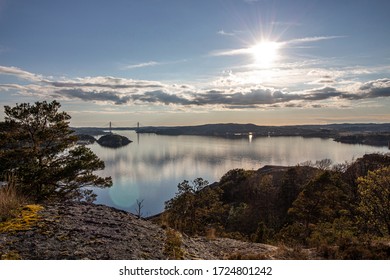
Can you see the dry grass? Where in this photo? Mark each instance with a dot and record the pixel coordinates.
(173, 242)
(210, 234)
(248, 256)
(10, 202)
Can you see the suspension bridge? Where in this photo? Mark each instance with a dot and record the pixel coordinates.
(113, 126)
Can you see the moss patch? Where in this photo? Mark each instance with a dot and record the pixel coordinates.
(26, 220)
(13, 255)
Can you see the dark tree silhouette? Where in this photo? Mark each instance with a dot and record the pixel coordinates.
(38, 146)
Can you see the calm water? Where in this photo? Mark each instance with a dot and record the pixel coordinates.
(151, 167)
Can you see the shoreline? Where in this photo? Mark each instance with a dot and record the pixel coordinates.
(377, 135)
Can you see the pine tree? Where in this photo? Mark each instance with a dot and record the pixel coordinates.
(195, 207)
(37, 144)
(374, 207)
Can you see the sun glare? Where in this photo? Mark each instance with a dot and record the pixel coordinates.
(265, 53)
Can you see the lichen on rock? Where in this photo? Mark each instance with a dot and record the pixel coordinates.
(27, 219)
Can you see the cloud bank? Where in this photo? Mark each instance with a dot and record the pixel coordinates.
(120, 91)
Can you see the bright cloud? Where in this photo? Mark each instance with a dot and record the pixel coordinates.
(249, 50)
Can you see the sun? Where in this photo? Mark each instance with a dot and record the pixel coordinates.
(265, 53)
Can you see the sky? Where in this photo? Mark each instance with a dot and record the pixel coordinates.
(188, 62)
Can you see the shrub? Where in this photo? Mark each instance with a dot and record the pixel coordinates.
(173, 243)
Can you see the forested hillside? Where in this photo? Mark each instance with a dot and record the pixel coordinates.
(343, 211)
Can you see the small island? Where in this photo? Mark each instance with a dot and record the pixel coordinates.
(85, 139)
(113, 141)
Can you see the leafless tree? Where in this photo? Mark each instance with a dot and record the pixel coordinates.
(138, 209)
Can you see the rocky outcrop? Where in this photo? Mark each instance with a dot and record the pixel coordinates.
(88, 231)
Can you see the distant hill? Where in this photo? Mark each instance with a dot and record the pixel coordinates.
(363, 133)
(369, 134)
